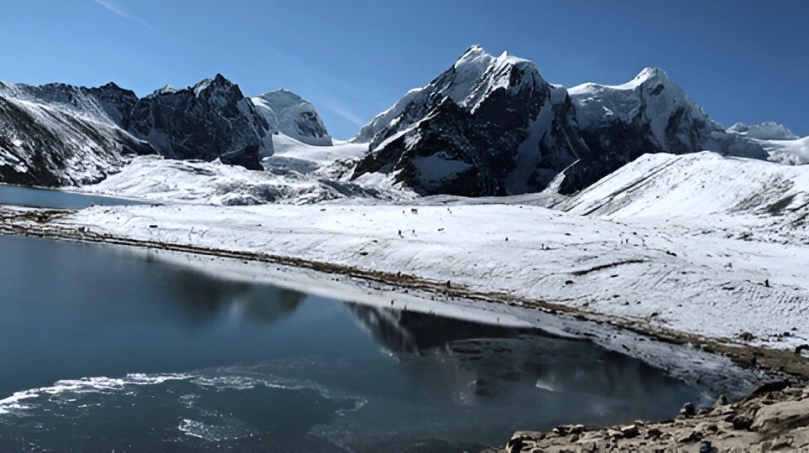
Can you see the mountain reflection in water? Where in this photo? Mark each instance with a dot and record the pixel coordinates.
(487, 360)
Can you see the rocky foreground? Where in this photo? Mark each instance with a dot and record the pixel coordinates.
(775, 417)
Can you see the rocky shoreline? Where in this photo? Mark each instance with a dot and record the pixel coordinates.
(774, 417)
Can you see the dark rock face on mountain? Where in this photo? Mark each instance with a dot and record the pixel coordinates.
(649, 114)
(62, 135)
(58, 135)
(210, 120)
(293, 116)
(486, 126)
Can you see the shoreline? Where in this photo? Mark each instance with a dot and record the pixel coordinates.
(37, 223)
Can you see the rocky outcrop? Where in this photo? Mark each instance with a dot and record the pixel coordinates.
(486, 126)
(774, 417)
(291, 115)
(211, 120)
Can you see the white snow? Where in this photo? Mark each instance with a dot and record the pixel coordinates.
(201, 86)
(597, 104)
(286, 111)
(289, 149)
(663, 261)
(768, 130)
(153, 178)
(791, 152)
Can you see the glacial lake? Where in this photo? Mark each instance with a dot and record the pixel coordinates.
(55, 199)
(103, 349)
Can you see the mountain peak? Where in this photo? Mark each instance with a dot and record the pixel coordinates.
(649, 76)
(218, 83)
(290, 114)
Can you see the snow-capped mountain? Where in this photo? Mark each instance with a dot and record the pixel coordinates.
(211, 120)
(61, 135)
(293, 116)
(492, 126)
(486, 126)
(649, 114)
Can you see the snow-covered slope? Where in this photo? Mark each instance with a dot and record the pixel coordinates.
(649, 114)
(155, 178)
(61, 135)
(743, 198)
(486, 126)
(781, 143)
(767, 130)
(291, 154)
(293, 116)
(790, 152)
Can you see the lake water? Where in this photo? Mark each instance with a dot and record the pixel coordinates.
(45, 198)
(102, 348)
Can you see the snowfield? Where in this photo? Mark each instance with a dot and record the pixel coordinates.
(700, 244)
(296, 173)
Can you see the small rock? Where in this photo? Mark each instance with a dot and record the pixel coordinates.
(574, 438)
(688, 410)
(721, 401)
(782, 443)
(705, 447)
(520, 443)
(742, 422)
(629, 431)
(614, 434)
(653, 433)
(692, 436)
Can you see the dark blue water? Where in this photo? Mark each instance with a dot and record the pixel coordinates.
(54, 199)
(103, 349)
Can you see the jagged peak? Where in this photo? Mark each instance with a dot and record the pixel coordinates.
(281, 93)
(474, 58)
(218, 82)
(650, 75)
(166, 89)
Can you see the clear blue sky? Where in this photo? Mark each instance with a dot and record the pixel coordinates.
(741, 60)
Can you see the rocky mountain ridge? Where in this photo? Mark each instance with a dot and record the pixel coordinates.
(62, 135)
